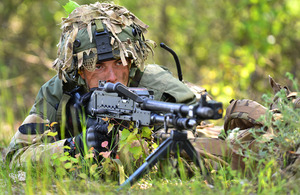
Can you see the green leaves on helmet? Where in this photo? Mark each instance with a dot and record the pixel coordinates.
(70, 6)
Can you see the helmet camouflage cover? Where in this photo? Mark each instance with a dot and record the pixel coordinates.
(78, 45)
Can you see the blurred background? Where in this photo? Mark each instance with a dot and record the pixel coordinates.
(229, 47)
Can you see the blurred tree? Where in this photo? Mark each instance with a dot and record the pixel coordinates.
(229, 47)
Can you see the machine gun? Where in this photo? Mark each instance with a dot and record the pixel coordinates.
(136, 104)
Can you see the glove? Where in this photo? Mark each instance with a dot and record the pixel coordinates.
(96, 134)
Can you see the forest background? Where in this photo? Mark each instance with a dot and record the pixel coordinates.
(227, 46)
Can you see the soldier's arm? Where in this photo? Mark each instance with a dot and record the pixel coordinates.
(32, 141)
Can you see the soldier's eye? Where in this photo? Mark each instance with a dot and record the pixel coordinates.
(119, 62)
(99, 66)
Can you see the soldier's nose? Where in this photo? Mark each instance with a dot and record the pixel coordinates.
(111, 77)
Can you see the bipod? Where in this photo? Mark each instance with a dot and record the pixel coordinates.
(177, 140)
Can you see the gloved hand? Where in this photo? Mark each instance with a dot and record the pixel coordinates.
(96, 134)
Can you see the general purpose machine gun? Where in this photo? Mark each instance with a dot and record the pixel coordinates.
(136, 104)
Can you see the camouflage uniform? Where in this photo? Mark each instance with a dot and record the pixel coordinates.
(32, 140)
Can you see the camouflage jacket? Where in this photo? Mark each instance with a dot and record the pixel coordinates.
(27, 144)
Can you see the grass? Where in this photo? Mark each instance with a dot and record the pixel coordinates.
(262, 174)
(44, 180)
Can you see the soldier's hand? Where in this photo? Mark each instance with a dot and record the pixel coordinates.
(96, 134)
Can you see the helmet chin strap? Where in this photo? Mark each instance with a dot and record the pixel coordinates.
(132, 74)
(81, 80)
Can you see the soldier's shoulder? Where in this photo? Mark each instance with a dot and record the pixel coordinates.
(161, 81)
(51, 91)
(53, 86)
(53, 82)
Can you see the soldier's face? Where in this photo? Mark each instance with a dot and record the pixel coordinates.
(111, 71)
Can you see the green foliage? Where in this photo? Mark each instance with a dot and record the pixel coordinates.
(286, 125)
(134, 145)
(229, 47)
(70, 6)
(294, 81)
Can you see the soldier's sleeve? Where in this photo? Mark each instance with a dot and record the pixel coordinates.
(33, 140)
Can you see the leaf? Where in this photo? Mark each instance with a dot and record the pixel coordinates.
(120, 169)
(52, 134)
(53, 123)
(93, 168)
(146, 132)
(70, 6)
(154, 145)
(105, 119)
(57, 162)
(110, 127)
(136, 151)
(68, 165)
(125, 134)
(91, 149)
(64, 158)
(105, 154)
(127, 138)
(67, 147)
(83, 175)
(75, 160)
(90, 155)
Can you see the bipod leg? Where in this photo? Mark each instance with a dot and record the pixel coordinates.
(181, 142)
(161, 152)
(180, 138)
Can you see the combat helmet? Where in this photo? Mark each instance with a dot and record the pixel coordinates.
(100, 31)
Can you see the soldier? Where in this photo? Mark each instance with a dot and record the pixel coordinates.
(99, 41)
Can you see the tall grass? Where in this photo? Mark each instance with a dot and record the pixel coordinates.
(6, 111)
(263, 174)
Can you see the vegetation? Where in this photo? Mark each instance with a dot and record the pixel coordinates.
(228, 47)
(272, 169)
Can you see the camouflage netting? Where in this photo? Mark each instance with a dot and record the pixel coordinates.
(117, 20)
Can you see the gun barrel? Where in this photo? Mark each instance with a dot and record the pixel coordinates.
(185, 110)
(183, 123)
(204, 112)
(154, 105)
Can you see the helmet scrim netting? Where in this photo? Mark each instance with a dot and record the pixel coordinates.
(116, 19)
